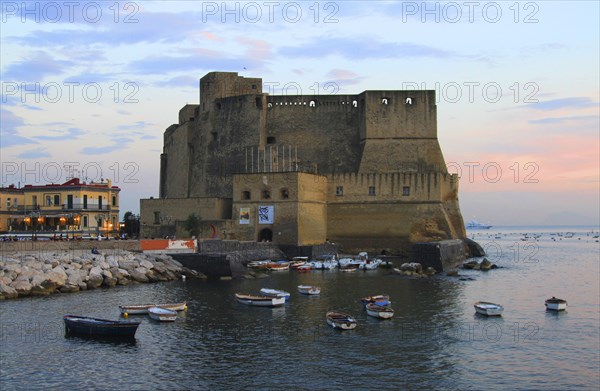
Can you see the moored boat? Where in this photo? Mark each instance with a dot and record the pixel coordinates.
(382, 299)
(260, 301)
(275, 293)
(309, 289)
(94, 327)
(379, 311)
(278, 266)
(340, 320)
(304, 268)
(139, 309)
(162, 314)
(488, 309)
(555, 304)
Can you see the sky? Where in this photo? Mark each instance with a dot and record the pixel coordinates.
(88, 88)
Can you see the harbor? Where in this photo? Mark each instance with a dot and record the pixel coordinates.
(435, 336)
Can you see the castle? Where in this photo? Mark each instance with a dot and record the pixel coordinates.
(364, 171)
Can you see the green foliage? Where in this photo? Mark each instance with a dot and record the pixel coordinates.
(192, 224)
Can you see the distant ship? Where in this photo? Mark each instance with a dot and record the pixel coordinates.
(477, 225)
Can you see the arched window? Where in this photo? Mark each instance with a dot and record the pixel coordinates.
(409, 101)
(384, 101)
(284, 194)
(266, 194)
(312, 103)
(269, 105)
(354, 103)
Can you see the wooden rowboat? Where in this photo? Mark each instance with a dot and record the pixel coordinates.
(379, 311)
(488, 309)
(376, 299)
(138, 309)
(94, 327)
(260, 301)
(309, 289)
(275, 293)
(162, 314)
(554, 304)
(340, 320)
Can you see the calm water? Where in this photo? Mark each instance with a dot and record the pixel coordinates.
(435, 341)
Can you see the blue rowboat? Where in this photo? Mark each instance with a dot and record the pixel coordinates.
(94, 327)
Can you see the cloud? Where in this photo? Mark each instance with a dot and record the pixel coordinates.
(560, 120)
(136, 125)
(564, 103)
(184, 81)
(190, 63)
(35, 67)
(70, 134)
(36, 153)
(9, 135)
(363, 48)
(119, 143)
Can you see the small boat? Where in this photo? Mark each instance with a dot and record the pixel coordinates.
(304, 268)
(258, 265)
(381, 299)
(554, 304)
(278, 266)
(488, 309)
(275, 293)
(309, 290)
(260, 301)
(350, 263)
(474, 224)
(297, 264)
(371, 264)
(138, 309)
(340, 320)
(379, 311)
(162, 314)
(350, 268)
(94, 327)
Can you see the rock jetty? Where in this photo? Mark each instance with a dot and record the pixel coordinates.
(40, 274)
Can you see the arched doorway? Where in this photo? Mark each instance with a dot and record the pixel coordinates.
(265, 235)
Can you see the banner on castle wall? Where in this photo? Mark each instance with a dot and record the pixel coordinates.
(244, 215)
(265, 214)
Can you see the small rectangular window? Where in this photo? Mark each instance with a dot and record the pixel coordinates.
(339, 191)
(371, 190)
(56, 200)
(114, 201)
(406, 191)
(156, 217)
(245, 195)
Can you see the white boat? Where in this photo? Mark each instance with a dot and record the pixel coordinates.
(162, 314)
(350, 263)
(324, 262)
(278, 266)
(554, 304)
(138, 309)
(371, 264)
(275, 293)
(260, 301)
(340, 320)
(309, 289)
(488, 309)
(474, 224)
(379, 311)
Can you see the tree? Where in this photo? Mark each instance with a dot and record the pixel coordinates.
(192, 224)
(132, 224)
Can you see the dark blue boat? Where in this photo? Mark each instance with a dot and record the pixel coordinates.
(93, 327)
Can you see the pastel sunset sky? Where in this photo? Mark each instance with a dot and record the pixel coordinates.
(88, 88)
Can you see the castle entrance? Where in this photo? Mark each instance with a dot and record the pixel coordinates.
(265, 235)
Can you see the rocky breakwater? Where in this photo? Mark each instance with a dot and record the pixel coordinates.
(62, 272)
(414, 269)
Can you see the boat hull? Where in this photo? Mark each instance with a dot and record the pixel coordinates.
(340, 321)
(94, 327)
(142, 309)
(488, 309)
(378, 311)
(275, 293)
(162, 314)
(556, 305)
(260, 301)
(309, 290)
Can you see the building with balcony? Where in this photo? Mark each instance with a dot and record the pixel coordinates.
(73, 206)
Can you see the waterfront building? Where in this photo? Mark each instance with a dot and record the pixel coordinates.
(365, 171)
(70, 207)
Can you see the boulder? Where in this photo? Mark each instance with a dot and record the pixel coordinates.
(112, 261)
(412, 267)
(95, 278)
(471, 265)
(147, 264)
(7, 292)
(139, 274)
(22, 287)
(474, 248)
(485, 264)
